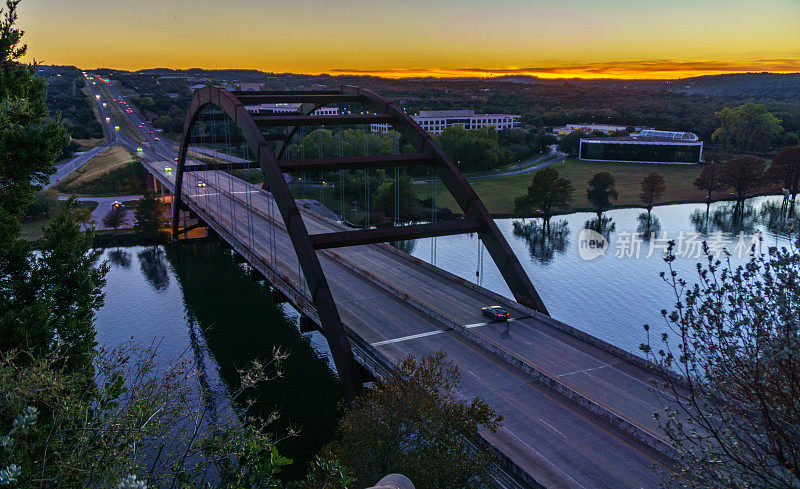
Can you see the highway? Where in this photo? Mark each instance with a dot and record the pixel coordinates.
(555, 439)
(108, 127)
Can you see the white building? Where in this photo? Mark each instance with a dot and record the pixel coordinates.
(436, 121)
(587, 128)
(288, 109)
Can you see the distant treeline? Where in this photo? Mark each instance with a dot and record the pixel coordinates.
(65, 95)
(685, 105)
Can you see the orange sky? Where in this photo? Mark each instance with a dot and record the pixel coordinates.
(584, 38)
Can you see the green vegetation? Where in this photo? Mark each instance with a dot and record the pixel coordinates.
(66, 96)
(547, 192)
(602, 193)
(114, 218)
(162, 101)
(149, 216)
(38, 218)
(114, 171)
(416, 426)
(747, 128)
(499, 193)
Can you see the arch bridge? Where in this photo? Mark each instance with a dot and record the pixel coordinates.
(577, 411)
(269, 148)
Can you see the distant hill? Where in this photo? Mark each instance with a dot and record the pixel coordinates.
(757, 86)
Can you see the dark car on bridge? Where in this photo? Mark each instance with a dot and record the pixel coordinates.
(495, 312)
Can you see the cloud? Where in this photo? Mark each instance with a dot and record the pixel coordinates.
(611, 69)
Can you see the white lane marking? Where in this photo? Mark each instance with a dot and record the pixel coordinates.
(406, 338)
(543, 457)
(552, 428)
(487, 323)
(473, 373)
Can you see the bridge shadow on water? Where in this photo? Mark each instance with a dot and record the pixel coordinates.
(239, 323)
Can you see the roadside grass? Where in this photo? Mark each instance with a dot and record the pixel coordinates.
(32, 226)
(499, 193)
(87, 144)
(114, 171)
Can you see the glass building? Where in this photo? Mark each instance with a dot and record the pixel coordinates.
(646, 146)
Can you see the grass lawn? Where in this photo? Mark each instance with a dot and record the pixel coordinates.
(499, 193)
(32, 226)
(114, 171)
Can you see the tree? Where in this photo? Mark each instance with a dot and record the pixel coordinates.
(653, 188)
(743, 173)
(163, 122)
(46, 300)
(115, 218)
(149, 216)
(710, 181)
(44, 202)
(570, 143)
(66, 268)
(389, 193)
(29, 141)
(417, 427)
(134, 417)
(549, 191)
(602, 190)
(734, 420)
(747, 128)
(471, 149)
(785, 169)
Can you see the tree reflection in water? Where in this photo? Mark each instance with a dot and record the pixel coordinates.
(779, 219)
(648, 226)
(604, 225)
(154, 268)
(543, 246)
(724, 219)
(236, 321)
(406, 245)
(120, 258)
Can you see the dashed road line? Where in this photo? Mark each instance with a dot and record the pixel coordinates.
(406, 338)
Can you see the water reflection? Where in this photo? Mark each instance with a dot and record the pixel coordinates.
(725, 219)
(604, 225)
(542, 245)
(778, 219)
(154, 268)
(238, 323)
(406, 245)
(120, 258)
(647, 226)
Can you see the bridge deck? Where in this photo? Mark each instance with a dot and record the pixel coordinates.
(558, 441)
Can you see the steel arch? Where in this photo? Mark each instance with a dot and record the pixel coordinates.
(318, 286)
(305, 246)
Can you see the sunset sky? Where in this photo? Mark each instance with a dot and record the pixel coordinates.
(584, 38)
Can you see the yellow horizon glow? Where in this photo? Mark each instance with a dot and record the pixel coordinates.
(447, 39)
